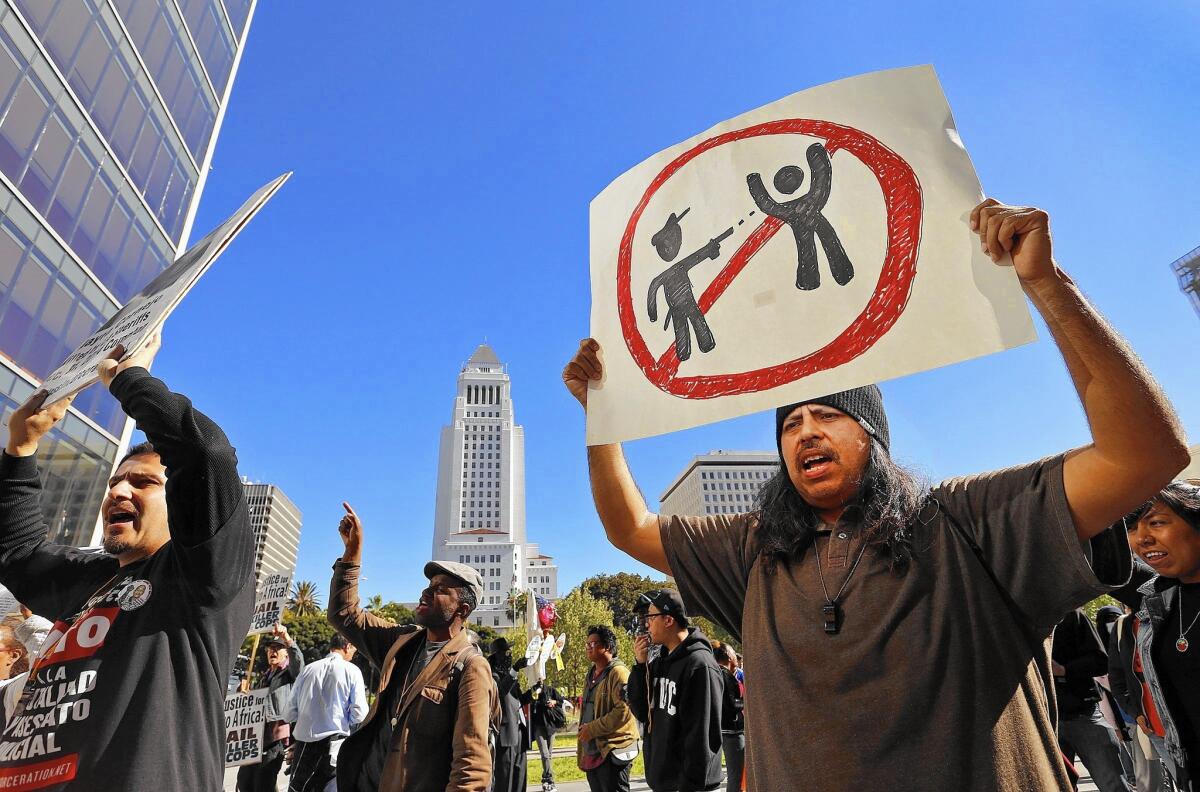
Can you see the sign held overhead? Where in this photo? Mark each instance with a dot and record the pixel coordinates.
(816, 244)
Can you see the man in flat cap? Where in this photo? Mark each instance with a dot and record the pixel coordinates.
(898, 634)
(436, 706)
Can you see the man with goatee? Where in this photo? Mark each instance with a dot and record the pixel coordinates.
(429, 726)
(128, 691)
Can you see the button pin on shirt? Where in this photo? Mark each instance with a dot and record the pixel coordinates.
(843, 535)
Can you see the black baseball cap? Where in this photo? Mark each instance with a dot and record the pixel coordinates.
(667, 601)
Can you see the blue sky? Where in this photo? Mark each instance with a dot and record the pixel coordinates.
(444, 159)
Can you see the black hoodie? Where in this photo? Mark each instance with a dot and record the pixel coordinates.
(683, 717)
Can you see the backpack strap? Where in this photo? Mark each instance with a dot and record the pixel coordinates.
(455, 681)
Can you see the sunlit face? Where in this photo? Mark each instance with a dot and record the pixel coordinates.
(659, 625)
(11, 650)
(826, 453)
(439, 602)
(1167, 542)
(595, 649)
(276, 656)
(135, 509)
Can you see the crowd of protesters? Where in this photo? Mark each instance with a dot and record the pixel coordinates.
(914, 637)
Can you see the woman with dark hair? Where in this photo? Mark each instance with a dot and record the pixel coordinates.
(1165, 533)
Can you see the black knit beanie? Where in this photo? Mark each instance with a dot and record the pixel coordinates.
(864, 405)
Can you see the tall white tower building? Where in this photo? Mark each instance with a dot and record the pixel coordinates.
(480, 511)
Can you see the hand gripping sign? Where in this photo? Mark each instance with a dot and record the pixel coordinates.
(146, 311)
(815, 244)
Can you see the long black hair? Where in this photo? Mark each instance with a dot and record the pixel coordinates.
(890, 500)
(1182, 497)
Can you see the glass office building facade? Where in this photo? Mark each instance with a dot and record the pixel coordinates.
(109, 111)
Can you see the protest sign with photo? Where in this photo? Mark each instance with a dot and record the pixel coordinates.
(147, 310)
(815, 244)
(270, 602)
(245, 718)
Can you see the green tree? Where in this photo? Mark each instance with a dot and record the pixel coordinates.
(311, 632)
(576, 612)
(715, 632)
(517, 602)
(486, 636)
(392, 611)
(304, 599)
(1095, 605)
(620, 592)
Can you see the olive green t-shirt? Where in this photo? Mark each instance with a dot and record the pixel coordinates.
(938, 678)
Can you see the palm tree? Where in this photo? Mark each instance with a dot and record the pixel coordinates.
(304, 600)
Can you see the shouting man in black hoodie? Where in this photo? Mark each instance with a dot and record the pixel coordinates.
(678, 696)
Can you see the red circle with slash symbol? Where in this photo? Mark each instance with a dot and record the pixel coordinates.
(902, 198)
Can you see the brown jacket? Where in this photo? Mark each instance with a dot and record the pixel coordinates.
(612, 726)
(440, 741)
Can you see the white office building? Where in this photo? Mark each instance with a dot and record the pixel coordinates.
(276, 523)
(479, 517)
(719, 482)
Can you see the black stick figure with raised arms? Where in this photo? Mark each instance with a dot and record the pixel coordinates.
(676, 284)
(804, 216)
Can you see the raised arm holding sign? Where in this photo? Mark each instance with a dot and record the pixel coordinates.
(144, 314)
(145, 634)
(919, 616)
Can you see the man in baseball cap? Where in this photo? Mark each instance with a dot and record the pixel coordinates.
(677, 695)
(437, 702)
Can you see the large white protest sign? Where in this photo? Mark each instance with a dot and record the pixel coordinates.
(270, 602)
(245, 719)
(146, 311)
(818, 243)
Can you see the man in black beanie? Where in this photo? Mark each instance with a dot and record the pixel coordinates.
(896, 635)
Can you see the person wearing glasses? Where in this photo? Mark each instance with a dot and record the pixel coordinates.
(896, 635)
(677, 695)
(608, 733)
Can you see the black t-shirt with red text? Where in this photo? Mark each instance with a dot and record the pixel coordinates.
(128, 693)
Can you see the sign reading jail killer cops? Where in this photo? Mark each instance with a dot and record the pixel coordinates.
(146, 311)
(270, 602)
(818, 243)
(245, 719)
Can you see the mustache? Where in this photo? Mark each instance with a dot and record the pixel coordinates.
(814, 445)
